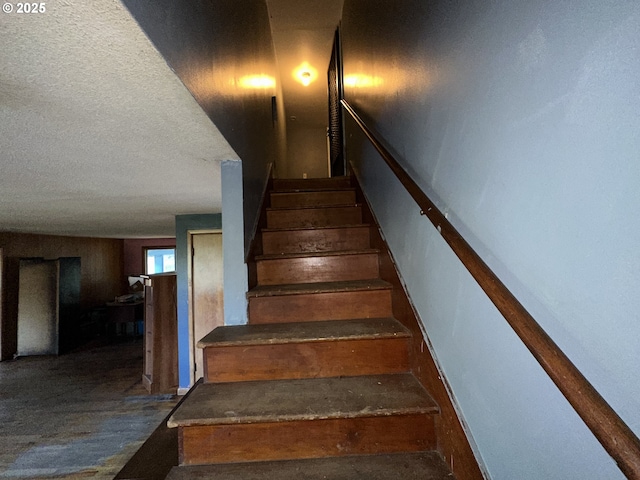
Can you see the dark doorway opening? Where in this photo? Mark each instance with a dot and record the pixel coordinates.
(334, 76)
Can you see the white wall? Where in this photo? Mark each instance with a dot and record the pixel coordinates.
(522, 120)
(306, 151)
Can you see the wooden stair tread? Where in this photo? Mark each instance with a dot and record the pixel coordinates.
(280, 333)
(330, 253)
(310, 183)
(302, 400)
(300, 198)
(297, 239)
(311, 216)
(326, 189)
(302, 229)
(320, 287)
(313, 207)
(395, 466)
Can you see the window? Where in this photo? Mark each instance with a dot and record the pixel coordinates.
(160, 260)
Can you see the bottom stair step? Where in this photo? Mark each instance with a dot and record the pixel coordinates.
(310, 418)
(400, 466)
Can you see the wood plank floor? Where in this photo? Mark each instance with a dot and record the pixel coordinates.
(77, 416)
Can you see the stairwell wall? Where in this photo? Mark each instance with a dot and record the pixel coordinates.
(223, 53)
(521, 121)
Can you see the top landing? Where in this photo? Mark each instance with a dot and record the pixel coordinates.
(329, 183)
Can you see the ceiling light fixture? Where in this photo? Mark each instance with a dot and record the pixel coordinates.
(305, 74)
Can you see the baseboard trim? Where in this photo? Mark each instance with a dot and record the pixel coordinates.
(455, 443)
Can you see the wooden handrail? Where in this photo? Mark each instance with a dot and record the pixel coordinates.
(610, 430)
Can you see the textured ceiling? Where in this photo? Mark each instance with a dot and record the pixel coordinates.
(98, 137)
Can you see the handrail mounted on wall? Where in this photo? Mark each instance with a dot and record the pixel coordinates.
(614, 435)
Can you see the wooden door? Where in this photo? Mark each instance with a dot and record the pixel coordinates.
(206, 291)
(38, 307)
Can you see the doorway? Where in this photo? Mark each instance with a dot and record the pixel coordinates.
(48, 301)
(38, 307)
(1, 300)
(206, 306)
(334, 131)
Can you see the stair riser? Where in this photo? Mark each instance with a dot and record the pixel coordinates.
(393, 466)
(323, 240)
(320, 306)
(314, 217)
(306, 199)
(306, 360)
(305, 439)
(331, 268)
(311, 183)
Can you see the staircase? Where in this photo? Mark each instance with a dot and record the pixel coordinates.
(318, 384)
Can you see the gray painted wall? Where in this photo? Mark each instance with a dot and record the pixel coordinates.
(235, 270)
(522, 121)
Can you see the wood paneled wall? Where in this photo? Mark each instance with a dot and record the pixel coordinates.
(102, 273)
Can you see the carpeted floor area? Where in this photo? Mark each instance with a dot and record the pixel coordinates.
(78, 416)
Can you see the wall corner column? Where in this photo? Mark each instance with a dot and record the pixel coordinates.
(233, 244)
